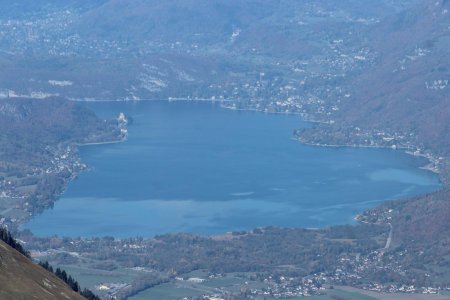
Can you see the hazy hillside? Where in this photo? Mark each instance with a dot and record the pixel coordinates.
(22, 279)
(212, 23)
(199, 49)
(407, 89)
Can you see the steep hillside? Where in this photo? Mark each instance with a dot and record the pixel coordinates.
(408, 89)
(22, 279)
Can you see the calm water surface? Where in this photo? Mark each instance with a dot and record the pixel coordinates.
(194, 167)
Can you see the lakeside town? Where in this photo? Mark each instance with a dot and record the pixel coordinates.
(349, 270)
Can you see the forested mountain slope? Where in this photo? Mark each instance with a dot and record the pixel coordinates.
(408, 89)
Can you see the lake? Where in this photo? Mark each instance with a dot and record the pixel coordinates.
(196, 167)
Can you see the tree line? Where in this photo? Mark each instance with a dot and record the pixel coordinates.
(70, 281)
(6, 237)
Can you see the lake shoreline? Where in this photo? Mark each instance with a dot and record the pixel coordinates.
(428, 167)
(317, 145)
(103, 143)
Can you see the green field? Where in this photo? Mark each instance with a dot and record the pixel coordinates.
(335, 294)
(89, 278)
(180, 289)
(166, 292)
(231, 283)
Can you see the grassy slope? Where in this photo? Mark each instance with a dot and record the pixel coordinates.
(22, 279)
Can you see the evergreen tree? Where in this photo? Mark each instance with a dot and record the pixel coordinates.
(8, 239)
(70, 281)
(89, 295)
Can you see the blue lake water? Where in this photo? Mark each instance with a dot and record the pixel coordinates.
(198, 168)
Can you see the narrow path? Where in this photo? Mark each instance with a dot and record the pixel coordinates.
(389, 239)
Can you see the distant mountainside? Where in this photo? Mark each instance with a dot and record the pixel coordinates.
(212, 23)
(243, 50)
(407, 89)
(21, 279)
